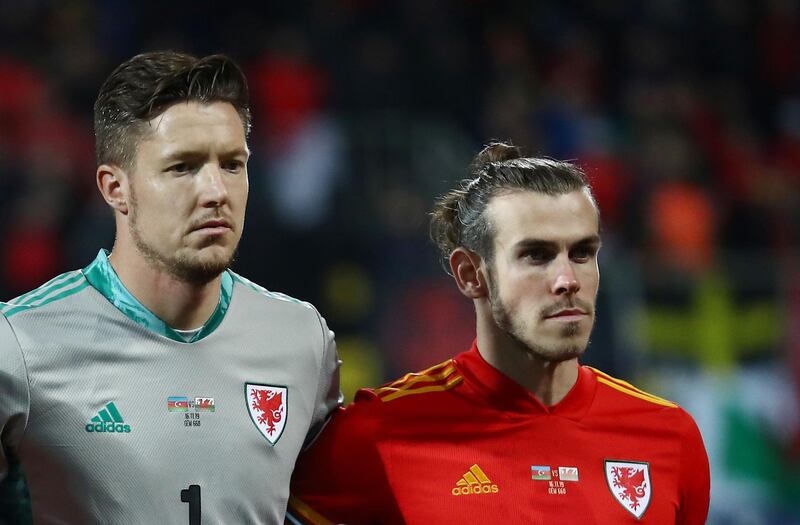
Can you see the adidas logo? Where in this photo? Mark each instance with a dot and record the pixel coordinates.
(108, 420)
(474, 481)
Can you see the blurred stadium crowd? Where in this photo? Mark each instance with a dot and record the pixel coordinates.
(685, 114)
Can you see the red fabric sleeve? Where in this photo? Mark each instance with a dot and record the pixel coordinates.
(341, 478)
(695, 479)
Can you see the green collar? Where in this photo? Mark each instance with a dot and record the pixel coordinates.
(104, 279)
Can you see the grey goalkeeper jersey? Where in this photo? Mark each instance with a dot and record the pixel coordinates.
(117, 420)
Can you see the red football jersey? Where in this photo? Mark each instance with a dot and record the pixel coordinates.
(462, 443)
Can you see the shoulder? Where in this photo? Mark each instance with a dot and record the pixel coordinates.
(265, 295)
(274, 303)
(418, 387)
(52, 292)
(393, 409)
(618, 396)
(620, 390)
(413, 395)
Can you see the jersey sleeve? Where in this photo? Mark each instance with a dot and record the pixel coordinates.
(329, 395)
(341, 478)
(14, 395)
(695, 478)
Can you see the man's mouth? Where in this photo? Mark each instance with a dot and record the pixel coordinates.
(213, 227)
(568, 315)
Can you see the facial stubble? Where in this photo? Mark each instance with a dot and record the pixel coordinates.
(184, 268)
(514, 327)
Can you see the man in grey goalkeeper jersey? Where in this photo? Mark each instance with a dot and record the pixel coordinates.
(155, 386)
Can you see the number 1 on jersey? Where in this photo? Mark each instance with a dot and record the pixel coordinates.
(192, 497)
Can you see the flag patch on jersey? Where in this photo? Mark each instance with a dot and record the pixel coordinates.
(204, 404)
(267, 405)
(558, 479)
(178, 404)
(540, 472)
(629, 482)
(568, 473)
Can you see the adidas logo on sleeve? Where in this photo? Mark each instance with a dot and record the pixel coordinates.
(108, 420)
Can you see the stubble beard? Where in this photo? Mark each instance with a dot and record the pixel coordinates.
(192, 270)
(514, 327)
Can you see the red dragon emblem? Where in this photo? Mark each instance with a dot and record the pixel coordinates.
(630, 484)
(267, 406)
(270, 404)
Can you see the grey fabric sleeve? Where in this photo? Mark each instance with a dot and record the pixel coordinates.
(329, 395)
(14, 394)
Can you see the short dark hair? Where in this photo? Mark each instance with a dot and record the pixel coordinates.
(146, 85)
(459, 217)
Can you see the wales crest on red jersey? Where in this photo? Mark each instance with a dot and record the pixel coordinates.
(629, 482)
(267, 405)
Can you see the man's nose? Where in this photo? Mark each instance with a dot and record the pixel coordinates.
(565, 280)
(213, 192)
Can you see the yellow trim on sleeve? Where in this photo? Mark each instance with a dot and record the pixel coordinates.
(418, 378)
(434, 388)
(635, 393)
(413, 377)
(307, 513)
(623, 383)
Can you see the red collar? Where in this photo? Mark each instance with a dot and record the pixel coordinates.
(503, 393)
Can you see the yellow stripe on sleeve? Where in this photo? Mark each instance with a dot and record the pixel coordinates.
(624, 383)
(418, 378)
(413, 377)
(311, 516)
(434, 388)
(427, 377)
(636, 393)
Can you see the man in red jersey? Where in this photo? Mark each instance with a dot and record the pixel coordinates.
(514, 430)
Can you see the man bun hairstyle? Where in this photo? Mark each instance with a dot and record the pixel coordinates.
(459, 219)
(146, 85)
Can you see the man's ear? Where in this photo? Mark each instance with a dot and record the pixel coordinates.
(466, 267)
(112, 181)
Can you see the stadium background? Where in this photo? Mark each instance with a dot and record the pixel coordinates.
(686, 115)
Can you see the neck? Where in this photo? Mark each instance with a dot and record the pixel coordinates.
(548, 381)
(181, 305)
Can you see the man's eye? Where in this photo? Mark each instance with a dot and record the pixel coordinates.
(180, 167)
(233, 166)
(537, 256)
(582, 254)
